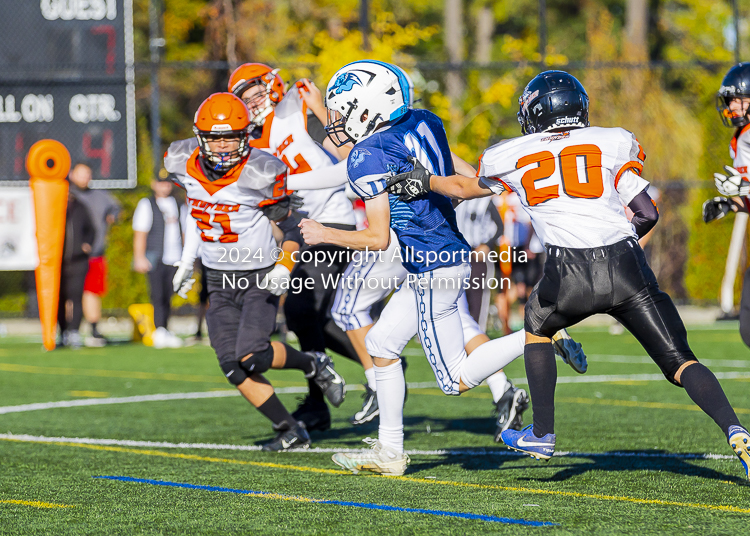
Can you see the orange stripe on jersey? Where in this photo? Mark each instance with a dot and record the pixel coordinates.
(636, 167)
(736, 136)
(264, 142)
(195, 171)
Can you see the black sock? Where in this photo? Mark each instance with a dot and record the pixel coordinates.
(95, 330)
(298, 360)
(541, 372)
(704, 389)
(275, 411)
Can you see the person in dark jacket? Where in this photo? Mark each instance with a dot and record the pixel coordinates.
(79, 236)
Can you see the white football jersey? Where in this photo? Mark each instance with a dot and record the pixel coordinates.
(739, 150)
(235, 233)
(285, 136)
(573, 184)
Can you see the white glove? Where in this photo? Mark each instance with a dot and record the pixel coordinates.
(732, 185)
(183, 281)
(277, 280)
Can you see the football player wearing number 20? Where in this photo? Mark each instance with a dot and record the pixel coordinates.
(368, 105)
(573, 180)
(234, 192)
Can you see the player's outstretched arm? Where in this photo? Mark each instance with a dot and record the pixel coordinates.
(375, 237)
(419, 181)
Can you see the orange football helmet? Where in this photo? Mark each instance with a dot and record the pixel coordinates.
(269, 92)
(222, 116)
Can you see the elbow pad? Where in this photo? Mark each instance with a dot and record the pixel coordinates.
(290, 228)
(645, 213)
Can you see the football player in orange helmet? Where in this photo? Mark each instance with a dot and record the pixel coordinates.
(285, 129)
(234, 192)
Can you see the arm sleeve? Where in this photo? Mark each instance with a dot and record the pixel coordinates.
(317, 179)
(192, 242)
(645, 213)
(143, 216)
(629, 186)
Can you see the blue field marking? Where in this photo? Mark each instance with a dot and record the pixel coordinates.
(369, 506)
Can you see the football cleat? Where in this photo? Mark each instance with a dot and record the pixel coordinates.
(380, 459)
(289, 439)
(325, 377)
(525, 441)
(314, 413)
(510, 410)
(369, 410)
(739, 440)
(570, 351)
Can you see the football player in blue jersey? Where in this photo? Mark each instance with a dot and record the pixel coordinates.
(368, 104)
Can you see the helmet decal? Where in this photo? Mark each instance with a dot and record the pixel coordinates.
(345, 82)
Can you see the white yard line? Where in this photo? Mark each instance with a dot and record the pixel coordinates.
(587, 378)
(449, 452)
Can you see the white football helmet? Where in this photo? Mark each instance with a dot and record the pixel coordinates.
(363, 95)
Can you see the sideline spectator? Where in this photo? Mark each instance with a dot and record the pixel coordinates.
(79, 235)
(157, 247)
(103, 210)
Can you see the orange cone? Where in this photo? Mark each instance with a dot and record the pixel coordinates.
(48, 164)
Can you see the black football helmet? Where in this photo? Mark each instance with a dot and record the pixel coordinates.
(736, 84)
(553, 99)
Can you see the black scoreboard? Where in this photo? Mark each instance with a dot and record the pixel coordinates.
(66, 73)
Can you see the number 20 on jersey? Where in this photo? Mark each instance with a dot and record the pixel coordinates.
(590, 186)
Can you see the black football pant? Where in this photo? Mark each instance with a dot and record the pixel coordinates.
(72, 279)
(308, 311)
(160, 284)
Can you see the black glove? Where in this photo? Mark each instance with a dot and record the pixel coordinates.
(411, 184)
(716, 208)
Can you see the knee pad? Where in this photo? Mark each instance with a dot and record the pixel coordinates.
(233, 372)
(259, 362)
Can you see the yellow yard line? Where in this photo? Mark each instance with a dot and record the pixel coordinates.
(302, 468)
(35, 504)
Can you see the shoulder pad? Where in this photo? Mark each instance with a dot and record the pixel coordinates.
(291, 103)
(260, 170)
(178, 154)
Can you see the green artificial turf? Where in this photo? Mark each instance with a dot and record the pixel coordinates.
(644, 494)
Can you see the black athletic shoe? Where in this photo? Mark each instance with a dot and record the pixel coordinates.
(329, 381)
(369, 410)
(510, 410)
(314, 413)
(291, 438)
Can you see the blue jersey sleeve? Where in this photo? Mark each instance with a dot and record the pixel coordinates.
(368, 169)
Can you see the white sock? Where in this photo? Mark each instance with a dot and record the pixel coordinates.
(370, 375)
(391, 392)
(492, 356)
(498, 384)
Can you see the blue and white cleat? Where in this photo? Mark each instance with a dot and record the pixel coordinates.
(570, 351)
(525, 441)
(739, 440)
